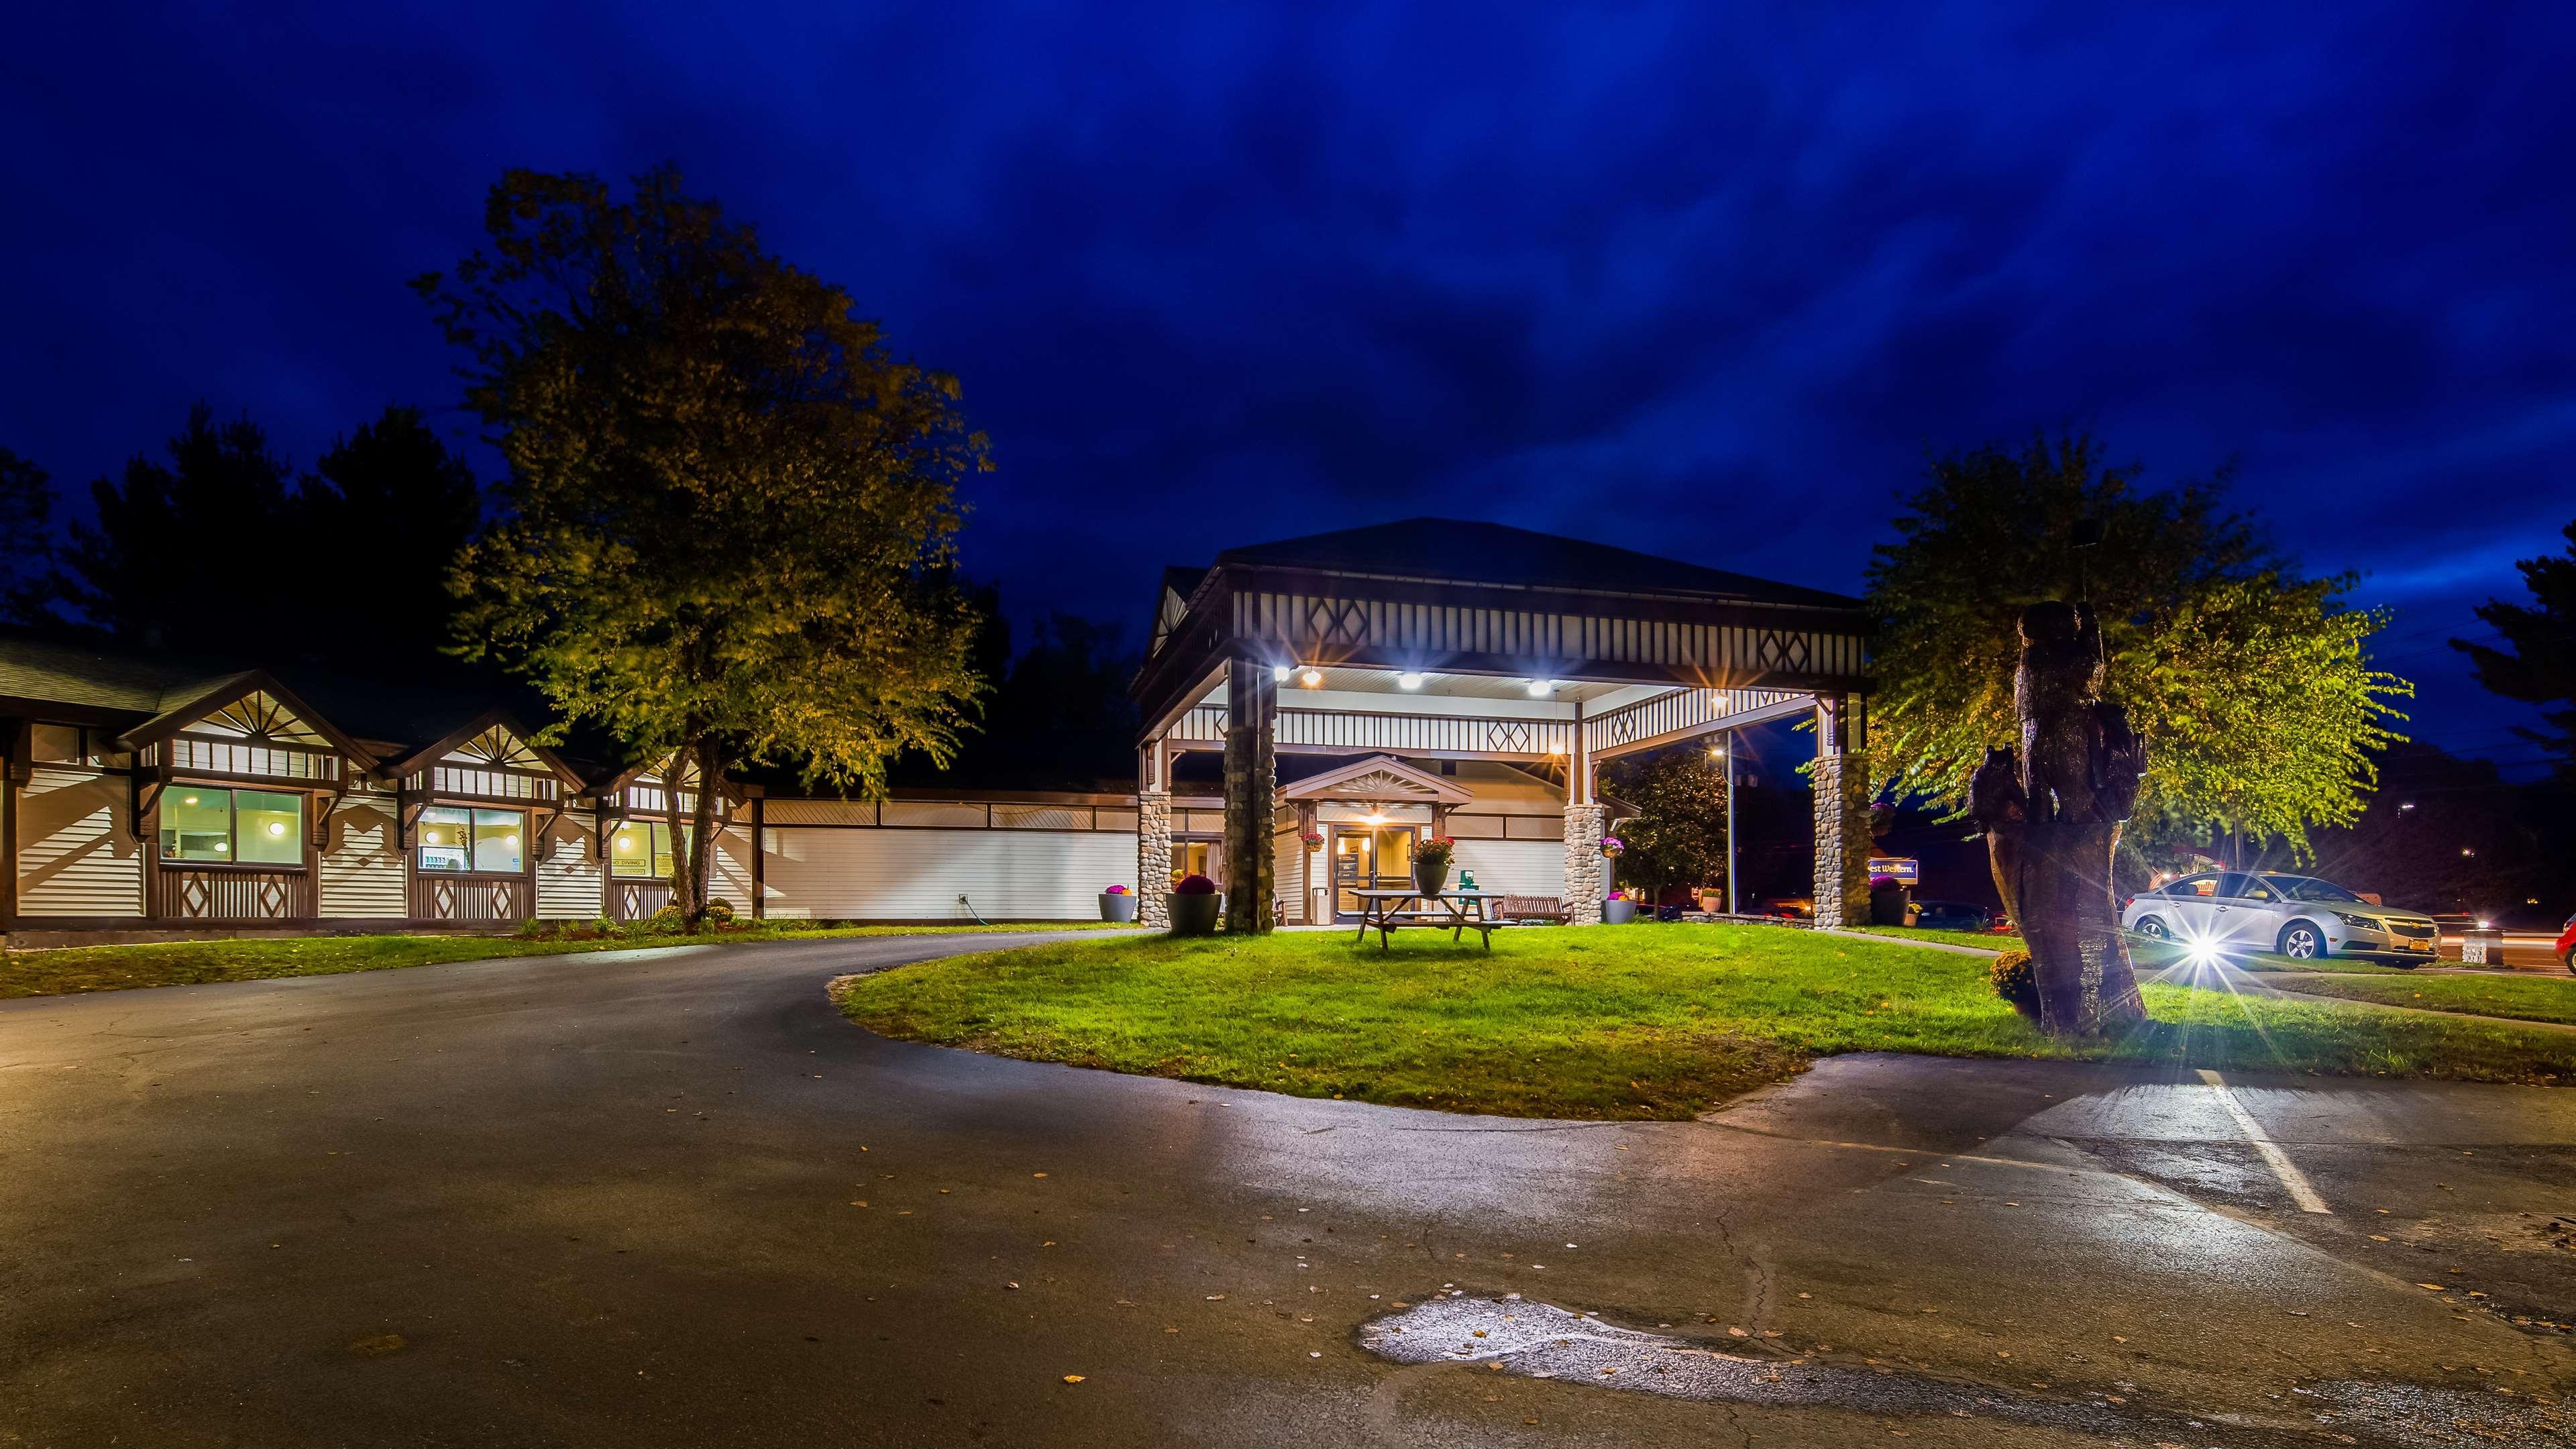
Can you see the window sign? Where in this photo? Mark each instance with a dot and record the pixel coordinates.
(641, 848)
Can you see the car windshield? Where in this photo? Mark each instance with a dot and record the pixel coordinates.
(2309, 888)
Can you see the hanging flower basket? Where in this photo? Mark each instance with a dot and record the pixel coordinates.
(1612, 846)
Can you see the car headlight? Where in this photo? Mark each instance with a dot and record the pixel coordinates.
(2366, 923)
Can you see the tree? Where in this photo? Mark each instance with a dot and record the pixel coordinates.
(30, 580)
(726, 533)
(392, 493)
(1677, 837)
(2539, 665)
(2251, 686)
(1059, 716)
(199, 554)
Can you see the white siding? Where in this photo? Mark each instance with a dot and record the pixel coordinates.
(74, 858)
(729, 874)
(1522, 867)
(567, 872)
(362, 874)
(919, 874)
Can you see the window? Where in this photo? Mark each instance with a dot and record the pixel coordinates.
(641, 847)
(492, 842)
(252, 827)
(2309, 888)
(2199, 885)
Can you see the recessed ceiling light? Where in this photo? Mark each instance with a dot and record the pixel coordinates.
(1281, 671)
(1311, 678)
(1540, 688)
(1408, 680)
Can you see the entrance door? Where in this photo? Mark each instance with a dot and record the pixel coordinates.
(1369, 857)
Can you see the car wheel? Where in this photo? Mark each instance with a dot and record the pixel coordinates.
(2302, 942)
(2569, 961)
(2153, 928)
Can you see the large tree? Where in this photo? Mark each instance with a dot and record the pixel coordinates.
(2538, 663)
(392, 494)
(1677, 835)
(726, 531)
(2251, 685)
(198, 554)
(29, 579)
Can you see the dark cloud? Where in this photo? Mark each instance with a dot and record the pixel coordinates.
(1706, 282)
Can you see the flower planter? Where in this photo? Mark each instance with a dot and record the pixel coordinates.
(1117, 906)
(1618, 913)
(1195, 915)
(1431, 880)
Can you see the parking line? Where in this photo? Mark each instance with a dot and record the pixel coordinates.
(2302, 1191)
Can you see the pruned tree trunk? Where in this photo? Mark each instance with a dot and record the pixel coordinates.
(2052, 819)
(703, 822)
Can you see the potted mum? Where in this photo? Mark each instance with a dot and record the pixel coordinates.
(1619, 909)
(1118, 904)
(1613, 847)
(1195, 905)
(1431, 864)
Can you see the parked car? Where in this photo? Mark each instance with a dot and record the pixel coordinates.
(1951, 916)
(2567, 944)
(2299, 916)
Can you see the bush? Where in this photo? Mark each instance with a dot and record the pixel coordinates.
(536, 930)
(1195, 885)
(720, 911)
(667, 921)
(2015, 981)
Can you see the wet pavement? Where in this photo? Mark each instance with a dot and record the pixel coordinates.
(673, 1199)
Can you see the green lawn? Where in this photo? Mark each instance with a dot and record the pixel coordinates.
(2523, 997)
(1984, 940)
(2336, 965)
(75, 969)
(1645, 1023)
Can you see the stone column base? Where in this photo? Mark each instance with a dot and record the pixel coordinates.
(1154, 859)
(1842, 842)
(1584, 876)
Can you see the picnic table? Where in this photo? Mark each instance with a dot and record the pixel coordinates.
(1384, 910)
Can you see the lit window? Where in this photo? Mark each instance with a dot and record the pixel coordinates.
(254, 827)
(641, 848)
(489, 842)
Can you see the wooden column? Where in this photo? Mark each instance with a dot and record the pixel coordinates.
(759, 852)
(1251, 783)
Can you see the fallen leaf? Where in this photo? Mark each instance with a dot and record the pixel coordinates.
(1073, 1378)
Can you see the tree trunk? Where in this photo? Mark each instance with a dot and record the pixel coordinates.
(680, 875)
(702, 838)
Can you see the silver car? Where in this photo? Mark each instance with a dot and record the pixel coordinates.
(2299, 916)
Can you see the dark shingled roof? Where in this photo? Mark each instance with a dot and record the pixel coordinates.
(96, 677)
(1467, 552)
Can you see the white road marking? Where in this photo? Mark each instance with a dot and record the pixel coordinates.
(2302, 1191)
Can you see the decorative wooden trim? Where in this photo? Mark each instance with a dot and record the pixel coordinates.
(760, 852)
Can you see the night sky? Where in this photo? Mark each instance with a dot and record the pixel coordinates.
(1701, 279)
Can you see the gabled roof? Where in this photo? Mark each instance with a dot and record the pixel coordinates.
(98, 677)
(1377, 777)
(490, 719)
(1467, 551)
(239, 687)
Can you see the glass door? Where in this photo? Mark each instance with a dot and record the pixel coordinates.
(1370, 857)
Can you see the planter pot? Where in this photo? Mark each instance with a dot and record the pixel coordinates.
(1431, 880)
(1118, 907)
(1195, 915)
(1618, 913)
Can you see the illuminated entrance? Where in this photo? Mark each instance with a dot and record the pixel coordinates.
(1367, 857)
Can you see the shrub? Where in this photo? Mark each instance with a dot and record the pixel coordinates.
(720, 911)
(535, 930)
(2015, 981)
(667, 921)
(1195, 885)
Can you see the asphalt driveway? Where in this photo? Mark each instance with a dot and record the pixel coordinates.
(672, 1198)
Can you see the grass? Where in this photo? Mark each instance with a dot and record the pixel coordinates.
(2332, 965)
(1984, 940)
(74, 969)
(2521, 997)
(1659, 1022)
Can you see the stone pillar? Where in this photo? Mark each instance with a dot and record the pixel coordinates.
(1841, 787)
(1154, 837)
(1585, 882)
(1251, 787)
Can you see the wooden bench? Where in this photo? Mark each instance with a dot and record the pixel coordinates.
(1521, 909)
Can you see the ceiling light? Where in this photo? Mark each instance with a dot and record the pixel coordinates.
(190, 800)
(223, 845)
(1408, 680)
(433, 837)
(277, 827)
(1540, 688)
(1311, 678)
(1281, 671)
(511, 840)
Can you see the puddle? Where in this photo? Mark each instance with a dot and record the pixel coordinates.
(1541, 1341)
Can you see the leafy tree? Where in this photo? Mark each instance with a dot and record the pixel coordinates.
(392, 490)
(2539, 666)
(197, 554)
(726, 533)
(2251, 685)
(1677, 837)
(30, 580)
(1059, 716)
